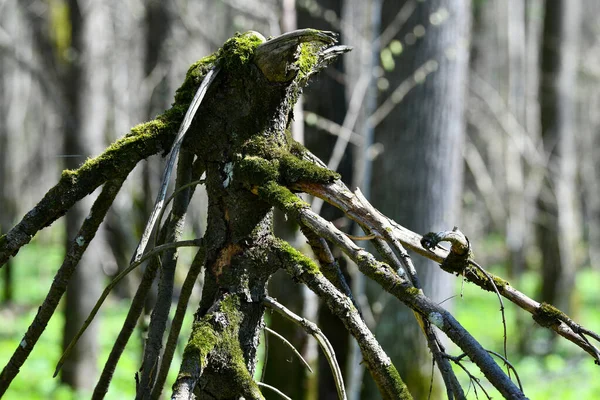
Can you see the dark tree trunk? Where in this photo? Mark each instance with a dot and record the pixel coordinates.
(156, 26)
(8, 208)
(418, 179)
(557, 204)
(324, 97)
(80, 370)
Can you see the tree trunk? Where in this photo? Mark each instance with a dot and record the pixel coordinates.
(418, 180)
(247, 123)
(516, 224)
(5, 183)
(80, 370)
(361, 92)
(557, 203)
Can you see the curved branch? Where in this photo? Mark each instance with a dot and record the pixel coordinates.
(291, 346)
(315, 332)
(379, 364)
(402, 289)
(340, 196)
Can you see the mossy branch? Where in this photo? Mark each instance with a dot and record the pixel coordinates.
(379, 364)
(338, 195)
(116, 162)
(390, 281)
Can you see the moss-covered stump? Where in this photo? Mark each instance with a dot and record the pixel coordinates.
(240, 132)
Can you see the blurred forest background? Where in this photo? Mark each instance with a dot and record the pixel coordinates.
(482, 114)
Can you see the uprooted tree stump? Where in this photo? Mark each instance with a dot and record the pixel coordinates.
(237, 138)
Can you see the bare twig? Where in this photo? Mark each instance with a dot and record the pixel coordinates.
(340, 196)
(315, 332)
(291, 346)
(274, 389)
(171, 345)
(472, 378)
(121, 275)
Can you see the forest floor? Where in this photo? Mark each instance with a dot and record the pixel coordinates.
(565, 373)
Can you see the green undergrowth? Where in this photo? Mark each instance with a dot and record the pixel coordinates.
(34, 270)
(565, 373)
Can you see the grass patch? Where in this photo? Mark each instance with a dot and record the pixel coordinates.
(34, 270)
(566, 372)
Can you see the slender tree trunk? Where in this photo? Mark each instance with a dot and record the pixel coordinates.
(80, 370)
(557, 204)
(157, 23)
(418, 180)
(516, 224)
(361, 89)
(6, 199)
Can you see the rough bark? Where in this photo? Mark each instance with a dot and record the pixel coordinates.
(418, 178)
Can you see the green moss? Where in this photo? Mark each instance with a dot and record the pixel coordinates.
(238, 51)
(398, 388)
(413, 291)
(269, 161)
(308, 59)
(193, 78)
(256, 170)
(290, 256)
(548, 316)
(294, 169)
(230, 306)
(202, 341)
(499, 281)
(282, 198)
(295, 147)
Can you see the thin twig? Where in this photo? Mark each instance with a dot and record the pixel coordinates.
(171, 345)
(104, 295)
(504, 329)
(315, 332)
(472, 378)
(291, 346)
(59, 284)
(274, 389)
